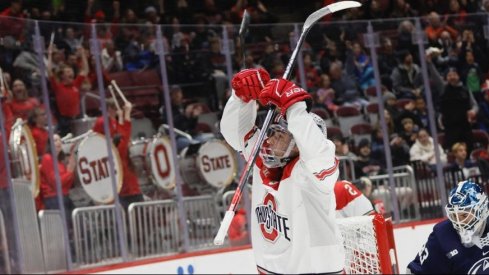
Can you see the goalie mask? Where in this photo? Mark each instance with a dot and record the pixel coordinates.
(279, 146)
(467, 209)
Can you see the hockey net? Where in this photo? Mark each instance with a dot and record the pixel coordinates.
(369, 245)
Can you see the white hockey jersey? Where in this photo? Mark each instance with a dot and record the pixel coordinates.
(350, 202)
(293, 220)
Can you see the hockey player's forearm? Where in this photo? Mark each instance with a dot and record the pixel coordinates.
(237, 121)
(317, 152)
(309, 138)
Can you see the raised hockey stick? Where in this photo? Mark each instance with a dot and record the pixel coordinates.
(310, 21)
(243, 30)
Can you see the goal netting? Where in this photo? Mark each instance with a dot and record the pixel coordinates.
(369, 245)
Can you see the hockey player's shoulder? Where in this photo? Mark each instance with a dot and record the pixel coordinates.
(443, 227)
(446, 235)
(347, 189)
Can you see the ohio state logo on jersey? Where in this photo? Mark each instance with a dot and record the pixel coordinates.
(272, 224)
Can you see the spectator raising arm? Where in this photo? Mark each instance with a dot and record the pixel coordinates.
(84, 70)
(49, 66)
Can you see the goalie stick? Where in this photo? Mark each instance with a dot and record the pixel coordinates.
(310, 21)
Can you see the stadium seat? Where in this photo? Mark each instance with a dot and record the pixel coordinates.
(146, 78)
(361, 131)
(123, 79)
(203, 127)
(371, 93)
(323, 113)
(334, 132)
(348, 116)
(92, 105)
(205, 107)
(320, 112)
(479, 153)
(402, 102)
(480, 138)
(372, 112)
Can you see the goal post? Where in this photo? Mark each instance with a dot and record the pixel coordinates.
(369, 245)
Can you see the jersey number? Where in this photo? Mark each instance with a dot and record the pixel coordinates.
(350, 190)
(423, 254)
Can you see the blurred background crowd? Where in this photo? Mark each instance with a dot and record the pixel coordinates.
(336, 67)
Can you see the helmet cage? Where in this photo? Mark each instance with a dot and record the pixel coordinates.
(278, 157)
(277, 154)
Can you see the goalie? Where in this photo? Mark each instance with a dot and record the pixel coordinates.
(293, 202)
(460, 244)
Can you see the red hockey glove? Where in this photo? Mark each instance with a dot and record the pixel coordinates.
(248, 83)
(283, 94)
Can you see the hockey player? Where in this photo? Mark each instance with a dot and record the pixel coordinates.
(459, 245)
(351, 202)
(293, 225)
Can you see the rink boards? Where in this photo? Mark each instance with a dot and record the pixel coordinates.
(409, 238)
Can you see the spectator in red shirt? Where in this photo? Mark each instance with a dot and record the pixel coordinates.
(436, 27)
(238, 230)
(12, 21)
(311, 72)
(66, 89)
(113, 114)
(37, 123)
(48, 179)
(8, 117)
(130, 191)
(238, 233)
(3, 171)
(21, 104)
(120, 132)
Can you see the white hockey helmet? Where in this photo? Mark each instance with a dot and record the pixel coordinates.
(467, 209)
(279, 144)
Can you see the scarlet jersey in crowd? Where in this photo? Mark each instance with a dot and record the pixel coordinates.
(293, 219)
(12, 24)
(48, 182)
(350, 201)
(22, 108)
(3, 167)
(238, 233)
(41, 137)
(67, 96)
(98, 127)
(130, 184)
(8, 117)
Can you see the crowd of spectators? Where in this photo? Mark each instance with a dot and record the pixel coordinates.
(338, 69)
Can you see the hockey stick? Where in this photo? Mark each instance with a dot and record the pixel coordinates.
(310, 21)
(243, 30)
